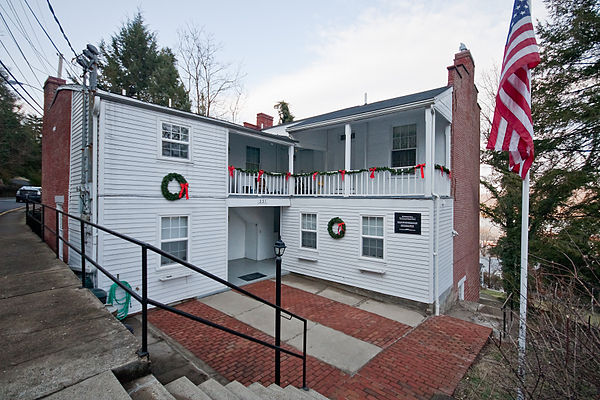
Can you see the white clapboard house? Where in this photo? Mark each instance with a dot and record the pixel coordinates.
(401, 174)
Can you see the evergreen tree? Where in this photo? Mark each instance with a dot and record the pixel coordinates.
(285, 114)
(133, 61)
(20, 138)
(565, 186)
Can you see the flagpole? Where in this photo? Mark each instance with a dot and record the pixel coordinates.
(523, 296)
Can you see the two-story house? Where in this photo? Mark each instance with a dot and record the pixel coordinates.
(381, 197)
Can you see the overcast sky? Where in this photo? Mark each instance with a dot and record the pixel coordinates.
(316, 55)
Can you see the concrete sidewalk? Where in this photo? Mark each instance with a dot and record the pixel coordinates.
(54, 334)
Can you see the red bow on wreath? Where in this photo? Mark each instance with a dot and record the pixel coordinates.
(373, 169)
(421, 166)
(184, 188)
(231, 168)
(287, 175)
(340, 225)
(343, 172)
(315, 176)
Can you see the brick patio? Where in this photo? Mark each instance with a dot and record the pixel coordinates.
(414, 364)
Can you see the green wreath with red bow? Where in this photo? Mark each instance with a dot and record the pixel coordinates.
(341, 228)
(164, 187)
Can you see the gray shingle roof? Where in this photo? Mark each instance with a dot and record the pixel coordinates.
(366, 108)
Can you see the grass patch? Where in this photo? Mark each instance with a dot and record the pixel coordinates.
(494, 293)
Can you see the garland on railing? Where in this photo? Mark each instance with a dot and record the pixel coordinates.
(372, 170)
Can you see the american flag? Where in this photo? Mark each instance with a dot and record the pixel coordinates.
(512, 127)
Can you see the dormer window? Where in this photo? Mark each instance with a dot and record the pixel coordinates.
(404, 146)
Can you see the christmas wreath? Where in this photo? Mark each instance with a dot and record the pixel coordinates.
(341, 231)
(164, 187)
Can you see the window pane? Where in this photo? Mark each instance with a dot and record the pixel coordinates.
(309, 239)
(372, 247)
(309, 221)
(404, 158)
(252, 158)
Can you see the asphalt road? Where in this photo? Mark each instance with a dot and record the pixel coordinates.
(8, 203)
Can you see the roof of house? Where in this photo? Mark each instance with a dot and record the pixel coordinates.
(358, 111)
(186, 114)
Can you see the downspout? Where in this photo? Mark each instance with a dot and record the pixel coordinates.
(436, 262)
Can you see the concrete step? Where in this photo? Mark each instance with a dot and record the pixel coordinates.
(291, 393)
(295, 393)
(315, 395)
(216, 391)
(242, 391)
(264, 393)
(103, 386)
(147, 388)
(184, 389)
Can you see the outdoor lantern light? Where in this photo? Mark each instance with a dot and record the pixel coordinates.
(279, 248)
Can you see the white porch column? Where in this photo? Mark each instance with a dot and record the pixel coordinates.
(429, 149)
(448, 146)
(347, 158)
(291, 169)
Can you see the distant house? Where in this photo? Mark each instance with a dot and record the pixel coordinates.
(401, 174)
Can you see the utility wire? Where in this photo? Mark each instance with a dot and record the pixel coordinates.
(19, 47)
(61, 28)
(25, 90)
(21, 28)
(60, 54)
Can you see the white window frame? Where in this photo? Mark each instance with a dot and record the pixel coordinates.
(161, 139)
(160, 241)
(416, 148)
(315, 249)
(384, 237)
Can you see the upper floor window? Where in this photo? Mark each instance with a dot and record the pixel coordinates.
(252, 158)
(404, 146)
(175, 141)
(309, 231)
(173, 238)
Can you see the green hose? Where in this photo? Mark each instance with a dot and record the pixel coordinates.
(121, 301)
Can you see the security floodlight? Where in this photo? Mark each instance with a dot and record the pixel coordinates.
(93, 49)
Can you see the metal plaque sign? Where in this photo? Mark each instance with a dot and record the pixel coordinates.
(407, 223)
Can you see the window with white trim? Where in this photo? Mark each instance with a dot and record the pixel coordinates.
(175, 141)
(309, 231)
(404, 146)
(372, 237)
(173, 238)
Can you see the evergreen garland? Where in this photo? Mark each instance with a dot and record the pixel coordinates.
(164, 187)
(393, 171)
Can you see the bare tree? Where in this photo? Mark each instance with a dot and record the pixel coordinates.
(215, 87)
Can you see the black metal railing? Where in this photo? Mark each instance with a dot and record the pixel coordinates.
(38, 220)
(507, 307)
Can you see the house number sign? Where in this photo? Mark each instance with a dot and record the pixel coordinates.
(409, 223)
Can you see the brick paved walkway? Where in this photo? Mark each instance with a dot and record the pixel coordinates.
(415, 364)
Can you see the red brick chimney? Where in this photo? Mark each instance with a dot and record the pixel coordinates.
(56, 151)
(465, 172)
(263, 121)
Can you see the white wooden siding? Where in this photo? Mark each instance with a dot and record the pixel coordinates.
(408, 258)
(75, 175)
(140, 218)
(445, 252)
(132, 165)
(131, 201)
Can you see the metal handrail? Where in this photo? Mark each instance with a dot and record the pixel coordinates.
(144, 300)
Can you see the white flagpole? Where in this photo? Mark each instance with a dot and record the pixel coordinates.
(523, 296)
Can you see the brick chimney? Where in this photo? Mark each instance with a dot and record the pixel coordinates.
(56, 152)
(263, 121)
(465, 172)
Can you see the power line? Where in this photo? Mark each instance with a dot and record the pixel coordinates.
(67, 64)
(13, 60)
(25, 90)
(21, 28)
(19, 47)
(61, 28)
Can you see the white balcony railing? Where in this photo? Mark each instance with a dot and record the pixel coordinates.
(404, 182)
(249, 184)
